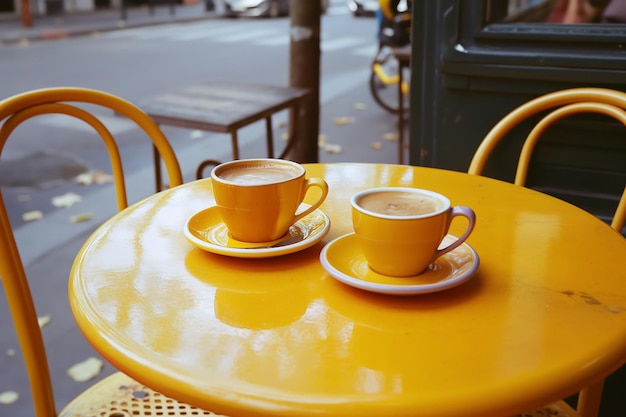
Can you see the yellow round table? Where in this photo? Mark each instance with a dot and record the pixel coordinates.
(544, 315)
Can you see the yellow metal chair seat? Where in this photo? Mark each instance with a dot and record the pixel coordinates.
(118, 395)
(563, 104)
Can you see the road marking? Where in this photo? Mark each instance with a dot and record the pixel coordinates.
(367, 50)
(211, 33)
(247, 35)
(340, 43)
(233, 32)
(275, 41)
(116, 125)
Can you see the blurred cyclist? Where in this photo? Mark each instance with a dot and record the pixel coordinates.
(394, 22)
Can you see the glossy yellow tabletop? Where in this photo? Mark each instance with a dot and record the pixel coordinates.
(544, 315)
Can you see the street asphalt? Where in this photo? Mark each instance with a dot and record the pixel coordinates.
(354, 128)
(352, 123)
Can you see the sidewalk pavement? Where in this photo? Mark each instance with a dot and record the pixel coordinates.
(52, 245)
(91, 22)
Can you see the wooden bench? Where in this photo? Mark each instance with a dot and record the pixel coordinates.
(224, 108)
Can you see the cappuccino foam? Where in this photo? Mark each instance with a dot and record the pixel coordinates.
(398, 203)
(258, 174)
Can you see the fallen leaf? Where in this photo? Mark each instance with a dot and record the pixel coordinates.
(8, 397)
(79, 218)
(321, 140)
(93, 177)
(342, 121)
(43, 321)
(85, 370)
(281, 124)
(285, 137)
(360, 106)
(333, 149)
(66, 200)
(196, 134)
(376, 146)
(30, 216)
(391, 136)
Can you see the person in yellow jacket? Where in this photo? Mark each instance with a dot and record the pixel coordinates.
(394, 19)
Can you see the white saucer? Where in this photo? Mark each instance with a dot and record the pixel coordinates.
(207, 231)
(343, 260)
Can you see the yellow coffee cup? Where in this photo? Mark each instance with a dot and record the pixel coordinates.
(400, 229)
(259, 199)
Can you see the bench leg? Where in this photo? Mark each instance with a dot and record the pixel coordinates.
(270, 136)
(234, 144)
(203, 165)
(157, 169)
(400, 118)
(293, 129)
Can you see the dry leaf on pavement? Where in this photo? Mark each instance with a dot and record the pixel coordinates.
(196, 134)
(43, 321)
(31, 216)
(85, 370)
(8, 397)
(376, 146)
(93, 177)
(333, 148)
(342, 121)
(66, 200)
(79, 218)
(322, 140)
(391, 136)
(281, 124)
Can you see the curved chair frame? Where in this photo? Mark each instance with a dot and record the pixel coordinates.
(574, 101)
(568, 102)
(106, 397)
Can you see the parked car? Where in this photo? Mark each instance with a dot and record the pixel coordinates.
(260, 8)
(363, 7)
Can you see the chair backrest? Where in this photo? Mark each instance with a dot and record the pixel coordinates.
(566, 103)
(562, 104)
(16, 110)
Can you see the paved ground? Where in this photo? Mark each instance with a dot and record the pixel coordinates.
(48, 247)
(83, 23)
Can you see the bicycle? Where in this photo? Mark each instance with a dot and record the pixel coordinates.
(384, 80)
(383, 83)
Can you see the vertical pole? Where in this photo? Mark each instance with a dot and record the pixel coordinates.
(27, 17)
(304, 72)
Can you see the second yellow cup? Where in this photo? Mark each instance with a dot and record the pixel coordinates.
(400, 229)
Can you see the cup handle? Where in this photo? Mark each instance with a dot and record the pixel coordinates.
(463, 211)
(313, 182)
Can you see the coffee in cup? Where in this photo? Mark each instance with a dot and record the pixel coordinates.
(400, 229)
(259, 199)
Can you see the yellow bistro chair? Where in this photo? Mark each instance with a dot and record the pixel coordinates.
(567, 103)
(116, 395)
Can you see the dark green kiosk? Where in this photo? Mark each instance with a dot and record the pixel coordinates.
(473, 61)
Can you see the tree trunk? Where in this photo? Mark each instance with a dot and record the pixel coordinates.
(304, 72)
(27, 18)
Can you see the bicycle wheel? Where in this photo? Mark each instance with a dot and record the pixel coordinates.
(384, 81)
